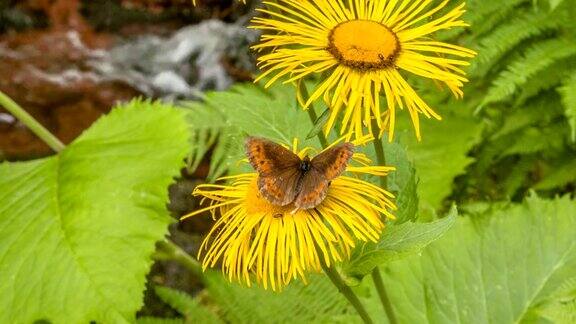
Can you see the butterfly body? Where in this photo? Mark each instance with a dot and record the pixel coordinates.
(285, 178)
(305, 166)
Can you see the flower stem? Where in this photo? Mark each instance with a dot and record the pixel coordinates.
(312, 114)
(376, 276)
(314, 118)
(172, 251)
(344, 289)
(381, 159)
(31, 123)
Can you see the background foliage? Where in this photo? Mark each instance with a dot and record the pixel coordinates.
(77, 230)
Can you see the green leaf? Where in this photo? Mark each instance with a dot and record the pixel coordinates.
(484, 16)
(77, 230)
(256, 112)
(402, 182)
(494, 268)
(442, 154)
(397, 241)
(407, 201)
(190, 308)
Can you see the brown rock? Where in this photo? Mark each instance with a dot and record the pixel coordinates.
(48, 74)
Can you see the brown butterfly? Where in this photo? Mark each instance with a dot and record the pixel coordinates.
(285, 178)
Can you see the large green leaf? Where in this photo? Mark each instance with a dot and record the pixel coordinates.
(77, 230)
(506, 267)
(397, 241)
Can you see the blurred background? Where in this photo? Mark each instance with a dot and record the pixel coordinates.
(67, 62)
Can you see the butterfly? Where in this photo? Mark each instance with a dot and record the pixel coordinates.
(284, 178)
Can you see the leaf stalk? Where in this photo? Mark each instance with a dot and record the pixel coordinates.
(44, 134)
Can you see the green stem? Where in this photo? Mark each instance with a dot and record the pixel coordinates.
(344, 289)
(381, 159)
(174, 252)
(31, 123)
(376, 276)
(314, 118)
(312, 114)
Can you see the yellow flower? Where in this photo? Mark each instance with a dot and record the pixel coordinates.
(253, 238)
(360, 47)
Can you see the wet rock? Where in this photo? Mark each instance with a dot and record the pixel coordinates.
(181, 66)
(47, 73)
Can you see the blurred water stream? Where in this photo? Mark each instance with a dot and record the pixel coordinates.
(67, 79)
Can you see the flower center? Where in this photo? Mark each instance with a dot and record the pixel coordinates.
(364, 45)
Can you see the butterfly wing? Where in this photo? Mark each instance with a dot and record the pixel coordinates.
(313, 190)
(332, 162)
(278, 170)
(281, 188)
(324, 167)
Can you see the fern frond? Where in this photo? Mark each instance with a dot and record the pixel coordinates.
(189, 307)
(555, 3)
(536, 59)
(518, 175)
(484, 16)
(561, 175)
(547, 79)
(561, 306)
(534, 139)
(224, 120)
(158, 320)
(568, 93)
(226, 153)
(206, 126)
(317, 302)
(539, 113)
(507, 36)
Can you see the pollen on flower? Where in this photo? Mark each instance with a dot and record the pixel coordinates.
(364, 45)
(256, 204)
